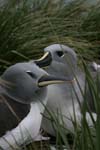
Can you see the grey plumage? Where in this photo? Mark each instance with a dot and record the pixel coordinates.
(62, 97)
(94, 70)
(23, 94)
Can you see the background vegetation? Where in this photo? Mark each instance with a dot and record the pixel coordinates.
(27, 27)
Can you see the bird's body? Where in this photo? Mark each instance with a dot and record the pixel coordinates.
(22, 100)
(10, 120)
(65, 98)
(62, 99)
(26, 131)
(20, 111)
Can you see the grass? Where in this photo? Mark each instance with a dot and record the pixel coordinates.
(85, 136)
(25, 30)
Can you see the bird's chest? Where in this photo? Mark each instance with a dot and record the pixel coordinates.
(59, 95)
(33, 120)
(62, 97)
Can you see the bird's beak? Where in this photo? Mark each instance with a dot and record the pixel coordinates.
(44, 61)
(49, 79)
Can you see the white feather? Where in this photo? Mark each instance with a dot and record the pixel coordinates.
(26, 131)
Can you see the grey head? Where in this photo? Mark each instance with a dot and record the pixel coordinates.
(59, 60)
(20, 85)
(26, 82)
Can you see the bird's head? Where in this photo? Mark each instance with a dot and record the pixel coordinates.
(27, 82)
(59, 59)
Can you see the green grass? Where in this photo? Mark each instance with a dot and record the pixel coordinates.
(26, 30)
(85, 136)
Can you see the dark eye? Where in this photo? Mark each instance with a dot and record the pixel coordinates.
(31, 74)
(60, 53)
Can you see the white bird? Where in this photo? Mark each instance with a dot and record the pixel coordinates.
(61, 61)
(22, 98)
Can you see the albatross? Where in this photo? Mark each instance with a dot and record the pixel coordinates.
(61, 61)
(22, 98)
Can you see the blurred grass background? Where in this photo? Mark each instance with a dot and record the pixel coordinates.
(28, 26)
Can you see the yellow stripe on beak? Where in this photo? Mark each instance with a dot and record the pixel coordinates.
(44, 61)
(43, 57)
(45, 83)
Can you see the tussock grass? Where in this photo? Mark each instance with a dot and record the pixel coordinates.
(25, 29)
